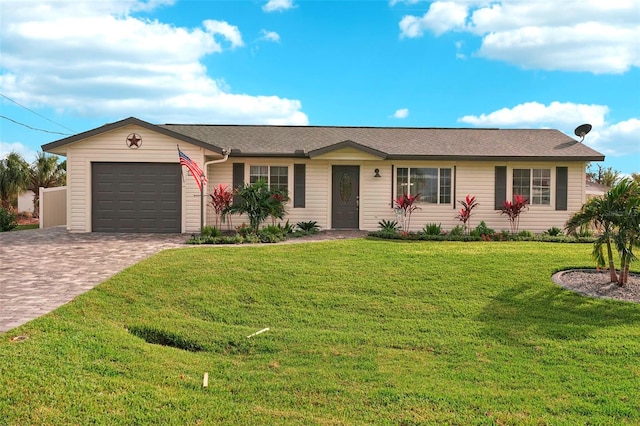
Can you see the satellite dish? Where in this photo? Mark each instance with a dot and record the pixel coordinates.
(582, 131)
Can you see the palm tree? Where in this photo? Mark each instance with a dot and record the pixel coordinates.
(14, 178)
(595, 211)
(45, 172)
(618, 216)
(628, 222)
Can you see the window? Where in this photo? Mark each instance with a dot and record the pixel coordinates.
(277, 177)
(533, 184)
(433, 184)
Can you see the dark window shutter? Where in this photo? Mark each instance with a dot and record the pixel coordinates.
(562, 186)
(501, 186)
(392, 187)
(238, 178)
(299, 185)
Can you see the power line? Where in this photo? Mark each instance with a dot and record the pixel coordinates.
(39, 115)
(34, 128)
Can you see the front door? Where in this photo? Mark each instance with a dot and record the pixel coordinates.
(345, 197)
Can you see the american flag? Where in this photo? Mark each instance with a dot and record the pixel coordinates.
(195, 170)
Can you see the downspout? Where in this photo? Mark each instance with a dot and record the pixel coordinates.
(225, 153)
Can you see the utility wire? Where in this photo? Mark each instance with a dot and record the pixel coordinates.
(39, 115)
(34, 128)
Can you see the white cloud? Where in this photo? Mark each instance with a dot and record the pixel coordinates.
(27, 153)
(230, 32)
(590, 35)
(277, 5)
(617, 139)
(401, 113)
(94, 59)
(270, 36)
(440, 18)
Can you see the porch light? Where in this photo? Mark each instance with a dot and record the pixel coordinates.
(377, 173)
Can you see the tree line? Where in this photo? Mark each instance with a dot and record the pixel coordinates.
(18, 176)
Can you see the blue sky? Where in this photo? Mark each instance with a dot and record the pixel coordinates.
(76, 65)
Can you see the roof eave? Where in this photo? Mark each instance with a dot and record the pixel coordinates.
(49, 147)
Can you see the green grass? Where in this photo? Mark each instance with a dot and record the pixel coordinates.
(361, 332)
(23, 227)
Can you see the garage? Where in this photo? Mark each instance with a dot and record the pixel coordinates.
(136, 197)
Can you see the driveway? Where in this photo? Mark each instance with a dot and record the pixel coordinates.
(42, 269)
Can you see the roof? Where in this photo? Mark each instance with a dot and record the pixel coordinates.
(383, 142)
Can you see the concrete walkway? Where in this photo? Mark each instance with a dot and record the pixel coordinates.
(42, 269)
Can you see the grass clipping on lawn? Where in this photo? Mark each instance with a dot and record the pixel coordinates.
(360, 332)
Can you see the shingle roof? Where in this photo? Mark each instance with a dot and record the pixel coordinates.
(383, 142)
(396, 142)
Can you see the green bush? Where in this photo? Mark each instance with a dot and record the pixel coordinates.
(388, 225)
(211, 231)
(525, 234)
(432, 229)
(483, 230)
(310, 227)
(457, 231)
(553, 231)
(7, 220)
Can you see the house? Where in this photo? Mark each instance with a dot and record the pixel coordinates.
(126, 177)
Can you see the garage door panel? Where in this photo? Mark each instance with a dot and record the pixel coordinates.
(136, 197)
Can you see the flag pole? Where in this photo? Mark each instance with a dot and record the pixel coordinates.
(201, 203)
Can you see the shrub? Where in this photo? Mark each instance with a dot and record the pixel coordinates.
(525, 234)
(432, 229)
(468, 204)
(405, 205)
(553, 231)
(513, 209)
(388, 225)
(483, 231)
(211, 231)
(457, 231)
(287, 228)
(259, 202)
(310, 227)
(7, 219)
(221, 199)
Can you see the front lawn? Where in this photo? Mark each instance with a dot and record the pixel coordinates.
(360, 332)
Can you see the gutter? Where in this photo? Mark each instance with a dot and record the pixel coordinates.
(225, 153)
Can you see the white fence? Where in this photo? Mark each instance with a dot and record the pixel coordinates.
(53, 207)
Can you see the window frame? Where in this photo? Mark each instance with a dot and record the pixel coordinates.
(444, 182)
(268, 177)
(538, 193)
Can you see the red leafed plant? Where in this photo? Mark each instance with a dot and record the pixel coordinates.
(513, 209)
(468, 204)
(405, 205)
(220, 200)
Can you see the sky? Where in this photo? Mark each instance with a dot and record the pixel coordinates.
(71, 66)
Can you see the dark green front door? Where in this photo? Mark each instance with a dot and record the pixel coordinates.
(345, 197)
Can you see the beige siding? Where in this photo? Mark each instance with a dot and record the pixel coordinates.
(474, 178)
(111, 147)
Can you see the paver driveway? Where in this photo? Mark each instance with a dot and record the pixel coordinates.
(41, 269)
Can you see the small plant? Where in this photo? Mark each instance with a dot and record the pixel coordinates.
(405, 205)
(388, 225)
(554, 231)
(432, 229)
(457, 231)
(513, 209)
(221, 199)
(211, 231)
(243, 230)
(464, 215)
(287, 228)
(310, 227)
(526, 234)
(7, 219)
(483, 231)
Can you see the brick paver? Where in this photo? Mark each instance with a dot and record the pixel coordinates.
(42, 269)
